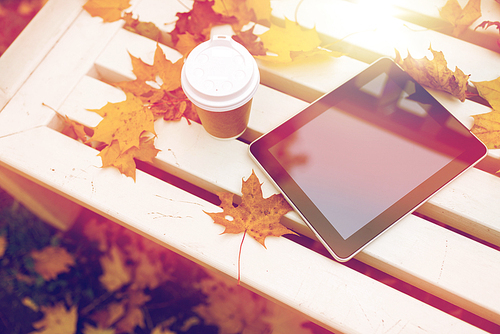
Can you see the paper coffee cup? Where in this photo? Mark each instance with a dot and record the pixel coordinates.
(220, 77)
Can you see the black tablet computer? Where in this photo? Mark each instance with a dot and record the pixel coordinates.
(365, 155)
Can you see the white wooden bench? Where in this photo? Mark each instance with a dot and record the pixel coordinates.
(66, 59)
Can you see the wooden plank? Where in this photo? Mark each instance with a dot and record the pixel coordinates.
(52, 208)
(55, 77)
(426, 14)
(34, 42)
(338, 298)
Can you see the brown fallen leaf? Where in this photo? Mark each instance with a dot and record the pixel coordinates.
(250, 41)
(3, 245)
(256, 216)
(108, 10)
(52, 261)
(57, 319)
(435, 73)
(116, 272)
(89, 329)
(460, 18)
(146, 29)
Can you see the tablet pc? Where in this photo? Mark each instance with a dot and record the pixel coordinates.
(365, 155)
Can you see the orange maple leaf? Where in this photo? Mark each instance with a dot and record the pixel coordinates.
(108, 10)
(167, 100)
(52, 261)
(435, 73)
(57, 319)
(256, 216)
(146, 29)
(460, 18)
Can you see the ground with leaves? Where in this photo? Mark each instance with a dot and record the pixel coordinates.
(99, 277)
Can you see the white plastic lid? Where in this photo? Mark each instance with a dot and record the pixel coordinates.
(220, 74)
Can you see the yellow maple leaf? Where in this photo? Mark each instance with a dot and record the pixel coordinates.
(124, 161)
(57, 319)
(125, 122)
(116, 273)
(237, 9)
(435, 73)
(261, 8)
(289, 42)
(52, 261)
(108, 10)
(460, 18)
(487, 128)
(490, 90)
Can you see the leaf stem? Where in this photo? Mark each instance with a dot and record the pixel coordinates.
(239, 256)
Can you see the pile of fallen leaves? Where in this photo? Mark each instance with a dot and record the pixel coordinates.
(101, 278)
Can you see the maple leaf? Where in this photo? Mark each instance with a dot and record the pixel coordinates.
(75, 130)
(435, 73)
(52, 261)
(116, 273)
(89, 329)
(123, 121)
(167, 101)
(250, 41)
(487, 128)
(261, 8)
(3, 245)
(490, 90)
(57, 319)
(124, 161)
(186, 43)
(237, 9)
(198, 21)
(146, 29)
(290, 42)
(108, 10)
(256, 216)
(460, 18)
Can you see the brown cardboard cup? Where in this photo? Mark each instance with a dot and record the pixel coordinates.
(220, 77)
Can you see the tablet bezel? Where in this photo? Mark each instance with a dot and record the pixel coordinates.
(340, 248)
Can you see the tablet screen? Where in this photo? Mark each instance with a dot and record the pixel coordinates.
(365, 155)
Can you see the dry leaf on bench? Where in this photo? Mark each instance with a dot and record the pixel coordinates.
(291, 42)
(435, 73)
(461, 18)
(255, 215)
(259, 217)
(487, 128)
(52, 261)
(108, 10)
(57, 319)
